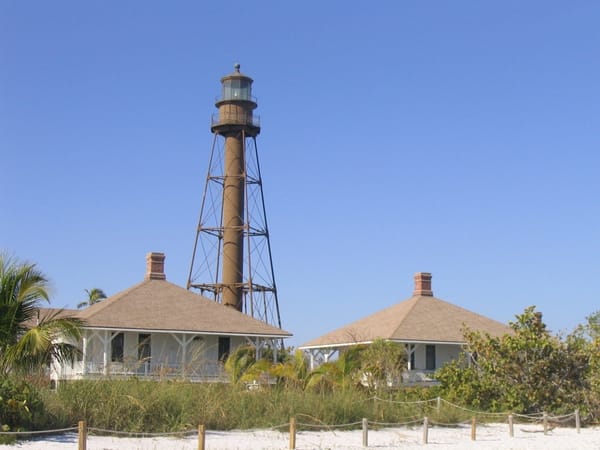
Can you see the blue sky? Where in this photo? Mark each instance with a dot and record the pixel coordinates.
(459, 138)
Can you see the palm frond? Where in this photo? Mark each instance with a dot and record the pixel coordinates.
(27, 341)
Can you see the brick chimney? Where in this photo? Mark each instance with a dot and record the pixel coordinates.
(155, 266)
(423, 285)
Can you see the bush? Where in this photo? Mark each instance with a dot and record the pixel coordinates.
(526, 371)
(21, 407)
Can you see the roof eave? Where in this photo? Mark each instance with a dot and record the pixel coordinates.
(399, 341)
(283, 335)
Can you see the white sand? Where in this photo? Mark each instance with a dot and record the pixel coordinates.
(494, 436)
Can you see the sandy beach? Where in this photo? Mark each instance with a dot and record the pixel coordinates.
(491, 436)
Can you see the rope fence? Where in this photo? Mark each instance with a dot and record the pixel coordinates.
(547, 421)
(104, 432)
(42, 432)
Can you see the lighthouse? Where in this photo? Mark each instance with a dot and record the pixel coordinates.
(231, 260)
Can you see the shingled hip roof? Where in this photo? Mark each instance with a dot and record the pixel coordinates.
(158, 305)
(421, 318)
(162, 306)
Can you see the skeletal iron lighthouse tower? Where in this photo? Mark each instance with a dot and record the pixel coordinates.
(232, 260)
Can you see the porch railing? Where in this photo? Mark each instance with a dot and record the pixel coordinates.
(419, 377)
(197, 371)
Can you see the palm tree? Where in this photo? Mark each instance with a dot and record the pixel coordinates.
(239, 361)
(95, 295)
(293, 370)
(29, 336)
(342, 373)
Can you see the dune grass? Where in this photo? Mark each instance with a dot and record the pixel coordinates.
(143, 406)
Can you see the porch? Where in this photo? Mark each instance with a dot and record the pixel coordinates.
(153, 355)
(199, 371)
(422, 360)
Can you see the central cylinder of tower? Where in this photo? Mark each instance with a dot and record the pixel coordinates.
(235, 122)
(233, 221)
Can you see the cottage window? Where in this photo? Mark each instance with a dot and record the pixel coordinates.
(224, 345)
(144, 347)
(116, 348)
(430, 357)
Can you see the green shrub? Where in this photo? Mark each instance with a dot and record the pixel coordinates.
(21, 407)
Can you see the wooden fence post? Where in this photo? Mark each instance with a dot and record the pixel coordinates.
(82, 435)
(473, 428)
(425, 429)
(439, 404)
(545, 422)
(292, 433)
(201, 437)
(365, 432)
(511, 430)
(577, 421)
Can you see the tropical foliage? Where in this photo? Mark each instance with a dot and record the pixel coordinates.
(528, 370)
(373, 367)
(382, 364)
(30, 337)
(292, 371)
(342, 374)
(239, 362)
(20, 405)
(94, 295)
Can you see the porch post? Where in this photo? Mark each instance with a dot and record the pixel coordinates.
(84, 353)
(410, 351)
(471, 359)
(105, 340)
(328, 354)
(258, 344)
(184, 344)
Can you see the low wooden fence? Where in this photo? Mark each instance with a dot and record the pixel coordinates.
(546, 421)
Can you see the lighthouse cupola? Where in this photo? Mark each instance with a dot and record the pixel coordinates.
(237, 86)
(236, 105)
